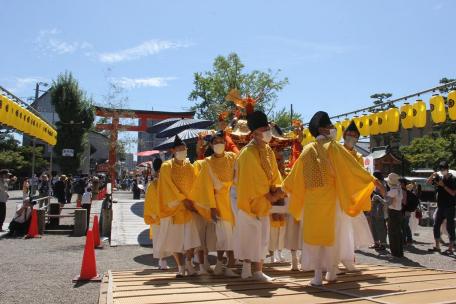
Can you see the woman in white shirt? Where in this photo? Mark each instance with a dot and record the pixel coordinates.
(394, 200)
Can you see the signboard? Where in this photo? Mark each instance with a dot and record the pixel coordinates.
(68, 152)
(102, 167)
(369, 163)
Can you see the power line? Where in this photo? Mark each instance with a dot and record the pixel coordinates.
(391, 102)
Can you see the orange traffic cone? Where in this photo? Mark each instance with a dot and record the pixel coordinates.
(89, 264)
(33, 227)
(96, 233)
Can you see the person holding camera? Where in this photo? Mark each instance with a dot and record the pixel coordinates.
(445, 183)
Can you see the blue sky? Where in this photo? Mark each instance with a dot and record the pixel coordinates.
(335, 53)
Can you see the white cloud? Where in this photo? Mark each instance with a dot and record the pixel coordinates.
(21, 84)
(48, 42)
(133, 83)
(147, 48)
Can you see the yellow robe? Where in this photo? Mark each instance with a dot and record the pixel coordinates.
(151, 209)
(357, 156)
(324, 174)
(366, 205)
(252, 181)
(174, 186)
(214, 191)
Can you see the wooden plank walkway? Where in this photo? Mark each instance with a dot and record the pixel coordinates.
(128, 226)
(371, 284)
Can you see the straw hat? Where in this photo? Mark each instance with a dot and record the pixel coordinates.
(393, 179)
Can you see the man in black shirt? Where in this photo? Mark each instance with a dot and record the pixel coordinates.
(446, 198)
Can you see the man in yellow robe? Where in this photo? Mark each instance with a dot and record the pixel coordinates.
(357, 234)
(327, 185)
(152, 214)
(351, 137)
(178, 233)
(258, 187)
(206, 230)
(211, 195)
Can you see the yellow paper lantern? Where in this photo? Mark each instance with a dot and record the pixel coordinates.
(419, 114)
(345, 124)
(20, 115)
(364, 126)
(33, 128)
(339, 134)
(5, 110)
(451, 104)
(407, 116)
(382, 119)
(373, 122)
(393, 119)
(438, 112)
(28, 124)
(306, 137)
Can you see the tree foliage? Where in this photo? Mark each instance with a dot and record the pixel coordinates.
(283, 119)
(19, 158)
(428, 151)
(211, 87)
(379, 98)
(76, 118)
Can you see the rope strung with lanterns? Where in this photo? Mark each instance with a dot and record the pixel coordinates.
(15, 113)
(408, 116)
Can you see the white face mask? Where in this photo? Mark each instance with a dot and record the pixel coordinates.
(332, 133)
(267, 136)
(180, 155)
(351, 141)
(444, 172)
(218, 148)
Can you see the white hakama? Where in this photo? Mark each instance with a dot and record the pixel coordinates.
(224, 236)
(206, 232)
(251, 237)
(293, 233)
(158, 254)
(325, 257)
(277, 238)
(177, 237)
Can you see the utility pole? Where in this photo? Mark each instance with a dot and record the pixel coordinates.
(37, 90)
(291, 115)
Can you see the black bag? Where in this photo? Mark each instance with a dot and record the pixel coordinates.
(412, 202)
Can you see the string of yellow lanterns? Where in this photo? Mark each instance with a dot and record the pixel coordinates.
(389, 121)
(15, 116)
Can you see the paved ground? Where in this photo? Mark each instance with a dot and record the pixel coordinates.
(41, 270)
(128, 223)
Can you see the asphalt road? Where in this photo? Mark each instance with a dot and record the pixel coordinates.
(41, 270)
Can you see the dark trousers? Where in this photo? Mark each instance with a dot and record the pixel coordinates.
(87, 207)
(448, 214)
(395, 232)
(2, 214)
(379, 230)
(406, 231)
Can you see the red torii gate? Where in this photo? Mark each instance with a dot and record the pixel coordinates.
(115, 127)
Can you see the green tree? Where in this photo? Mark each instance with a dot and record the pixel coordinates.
(283, 118)
(211, 87)
(19, 158)
(380, 98)
(76, 118)
(428, 151)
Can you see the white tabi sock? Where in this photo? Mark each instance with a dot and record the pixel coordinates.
(246, 270)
